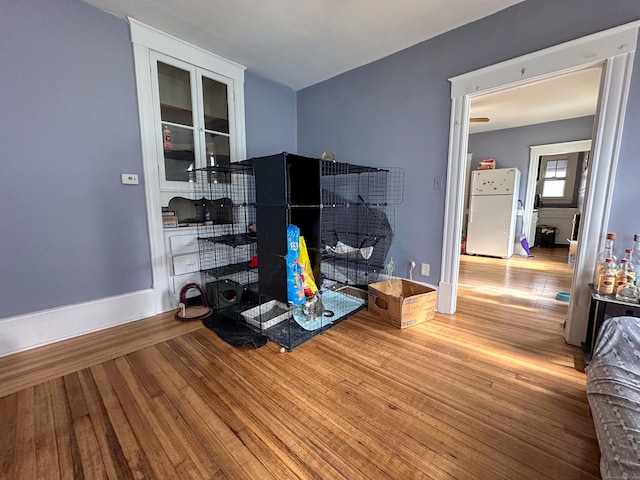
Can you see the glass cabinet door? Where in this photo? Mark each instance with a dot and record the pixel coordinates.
(195, 123)
(177, 122)
(216, 128)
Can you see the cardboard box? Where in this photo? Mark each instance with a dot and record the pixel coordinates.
(573, 249)
(402, 303)
(169, 221)
(487, 164)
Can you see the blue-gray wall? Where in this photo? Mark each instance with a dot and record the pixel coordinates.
(510, 147)
(625, 220)
(271, 117)
(396, 111)
(68, 128)
(70, 232)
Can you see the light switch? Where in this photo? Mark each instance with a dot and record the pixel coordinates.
(129, 179)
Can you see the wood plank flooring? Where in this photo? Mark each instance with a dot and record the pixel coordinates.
(491, 392)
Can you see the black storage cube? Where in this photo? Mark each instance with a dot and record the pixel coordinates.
(546, 236)
(287, 192)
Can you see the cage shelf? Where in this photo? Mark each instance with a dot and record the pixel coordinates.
(232, 239)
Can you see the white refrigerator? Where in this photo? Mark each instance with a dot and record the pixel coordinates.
(493, 206)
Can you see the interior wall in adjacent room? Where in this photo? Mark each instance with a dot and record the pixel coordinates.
(510, 147)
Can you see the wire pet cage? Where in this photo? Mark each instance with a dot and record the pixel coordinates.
(358, 220)
(345, 214)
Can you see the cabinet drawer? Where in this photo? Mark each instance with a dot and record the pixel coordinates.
(181, 244)
(185, 264)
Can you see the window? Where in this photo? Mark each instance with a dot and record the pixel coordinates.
(556, 179)
(193, 126)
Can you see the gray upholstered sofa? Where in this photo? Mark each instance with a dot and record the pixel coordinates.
(613, 390)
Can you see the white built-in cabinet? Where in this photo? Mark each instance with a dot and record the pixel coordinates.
(191, 105)
(181, 247)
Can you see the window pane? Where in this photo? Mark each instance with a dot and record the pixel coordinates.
(216, 113)
(179, 156)
(175, 95)
(553, 188)
(550, 170)
(218, 156)
(561, 171)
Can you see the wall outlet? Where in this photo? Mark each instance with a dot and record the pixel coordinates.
(424, 269)
(129, 179)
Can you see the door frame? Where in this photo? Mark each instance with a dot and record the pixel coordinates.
(535, 152)
(615, 48)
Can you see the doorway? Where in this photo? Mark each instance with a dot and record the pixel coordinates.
(615, 48)
(536, 153)
(514, 124)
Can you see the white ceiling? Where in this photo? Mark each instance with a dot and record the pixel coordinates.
(568, 96)
(302, 42)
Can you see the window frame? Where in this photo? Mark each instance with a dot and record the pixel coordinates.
(568, 198)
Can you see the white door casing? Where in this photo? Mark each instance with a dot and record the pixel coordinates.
(146, 40)
(615, 48)
(535, 152)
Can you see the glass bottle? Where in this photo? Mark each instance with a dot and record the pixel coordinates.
(166, 135)
(603, 256)
(628, 293)
(607, 279)
(635, 256)
(625, 274)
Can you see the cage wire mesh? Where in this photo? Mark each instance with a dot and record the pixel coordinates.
(226, 219)
(358, 219)
(356, 222)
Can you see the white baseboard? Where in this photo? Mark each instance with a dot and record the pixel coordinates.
(31, 330)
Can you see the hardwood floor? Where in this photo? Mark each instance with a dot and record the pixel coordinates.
(489, 393)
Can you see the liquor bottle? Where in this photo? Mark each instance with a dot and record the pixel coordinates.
(628, 292)
(607, 279)
(635, 256)
(166, 135)
(625, 274)
(602, 258)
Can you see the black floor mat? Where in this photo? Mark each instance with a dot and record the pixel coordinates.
(233, 332)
